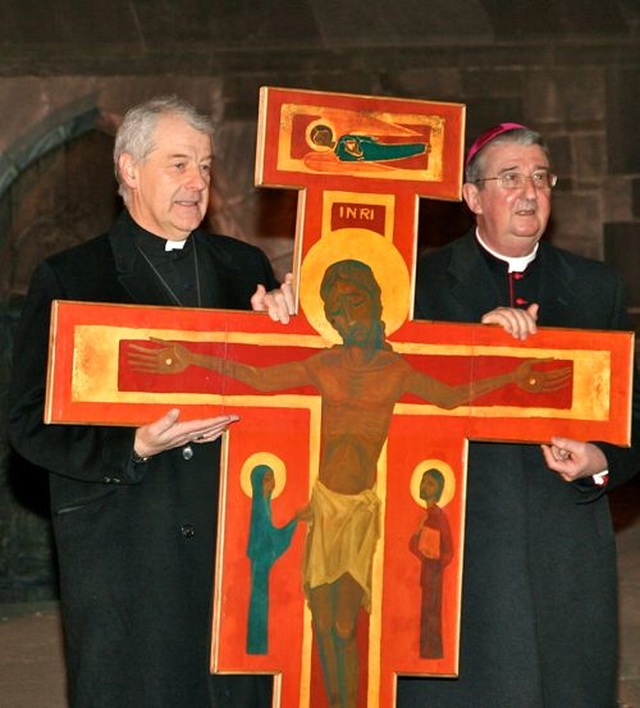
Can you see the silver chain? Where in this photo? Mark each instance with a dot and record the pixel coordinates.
(166, 285)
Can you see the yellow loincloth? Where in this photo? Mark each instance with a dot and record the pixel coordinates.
(342, 538)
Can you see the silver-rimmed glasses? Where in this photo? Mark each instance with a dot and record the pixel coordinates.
(517, 180)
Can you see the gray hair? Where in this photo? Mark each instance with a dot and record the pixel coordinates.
(522, 136)
(136, 133)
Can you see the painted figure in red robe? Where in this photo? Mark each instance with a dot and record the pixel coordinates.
(433, 545)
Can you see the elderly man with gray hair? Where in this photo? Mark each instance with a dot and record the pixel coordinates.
(539, 607)
(134, 509)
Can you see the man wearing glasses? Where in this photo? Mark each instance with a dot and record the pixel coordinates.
(539, 614)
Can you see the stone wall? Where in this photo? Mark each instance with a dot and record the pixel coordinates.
(581, 93)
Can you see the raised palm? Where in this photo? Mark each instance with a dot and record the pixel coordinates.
(532, 381)
(170, 359)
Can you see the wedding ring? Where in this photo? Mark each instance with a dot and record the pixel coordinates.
(168, 361)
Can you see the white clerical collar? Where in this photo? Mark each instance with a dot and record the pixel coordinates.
(516, 264)
(174, 245)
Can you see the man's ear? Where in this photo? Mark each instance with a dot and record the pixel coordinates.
(127, 168)
(471, 195)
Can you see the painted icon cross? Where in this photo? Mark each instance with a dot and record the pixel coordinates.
(342, 495)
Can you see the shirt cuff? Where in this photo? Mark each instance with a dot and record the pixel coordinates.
(601, 478)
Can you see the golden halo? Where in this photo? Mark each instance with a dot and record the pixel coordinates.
(307, 135)
(449, 481)
(384, 259)
(263, 458)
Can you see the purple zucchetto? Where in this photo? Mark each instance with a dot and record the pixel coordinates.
(489, 135)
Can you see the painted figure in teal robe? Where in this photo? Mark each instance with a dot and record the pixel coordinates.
(266, 544)
(354, 147)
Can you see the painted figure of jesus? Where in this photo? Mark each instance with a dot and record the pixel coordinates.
(359, 382)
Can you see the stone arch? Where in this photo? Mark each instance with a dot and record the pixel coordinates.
(36, 218)
(45, 136)
(56, 189)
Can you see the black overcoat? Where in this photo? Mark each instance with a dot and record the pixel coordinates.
(135, 542)
(539, 614)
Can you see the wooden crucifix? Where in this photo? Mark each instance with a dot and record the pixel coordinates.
(353, 406)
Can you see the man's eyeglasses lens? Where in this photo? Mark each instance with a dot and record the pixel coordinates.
(517, 180)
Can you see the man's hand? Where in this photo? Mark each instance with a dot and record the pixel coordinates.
(573, 459)
(279, 304)
(518, 323)
(169, 432)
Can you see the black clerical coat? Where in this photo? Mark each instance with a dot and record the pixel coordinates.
(135, 543)
(539, 615)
